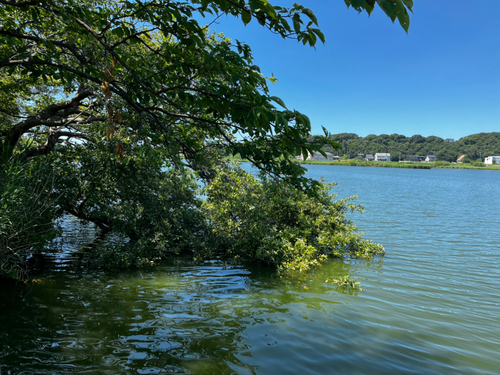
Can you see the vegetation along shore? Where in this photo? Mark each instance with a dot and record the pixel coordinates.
(475, 146)
(391, 164)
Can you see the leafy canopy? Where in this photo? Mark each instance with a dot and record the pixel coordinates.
(153, 61)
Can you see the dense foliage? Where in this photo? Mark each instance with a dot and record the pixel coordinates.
(266, 221)
(128, 106)
(476, 146)
(27, 213)
(241, 218)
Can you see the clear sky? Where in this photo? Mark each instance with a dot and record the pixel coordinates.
(370, 77)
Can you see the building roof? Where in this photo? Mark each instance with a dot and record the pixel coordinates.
(461, 158)
(319, 153)
(382, 154)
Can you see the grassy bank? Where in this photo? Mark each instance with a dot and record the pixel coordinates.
(362, 163)
(390, 164)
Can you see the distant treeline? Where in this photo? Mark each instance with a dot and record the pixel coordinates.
(476, 146)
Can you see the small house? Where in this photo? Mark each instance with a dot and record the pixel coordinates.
(492, 160)
(430, 158)
(369, 157)
(319, 157)
(382, 157)
(461, 159)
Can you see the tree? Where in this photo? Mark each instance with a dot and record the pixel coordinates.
(142, 85)
(179, 82)
(181, 86)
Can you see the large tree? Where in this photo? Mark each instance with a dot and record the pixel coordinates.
(154, 61)
(109, 84)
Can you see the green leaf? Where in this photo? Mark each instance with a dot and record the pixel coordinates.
(358, 4)
(246, 17)
(119, 32)
(311, 15)
(312, 39)
(404, 20)
(296, 22)
(408, 3)
(279, 101)
(319, 33)
(388, 7)
(269, 9)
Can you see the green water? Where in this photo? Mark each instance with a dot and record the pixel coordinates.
(430, 306)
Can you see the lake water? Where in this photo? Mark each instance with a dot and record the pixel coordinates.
(430, 306)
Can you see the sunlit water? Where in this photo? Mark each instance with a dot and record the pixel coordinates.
(430, 306)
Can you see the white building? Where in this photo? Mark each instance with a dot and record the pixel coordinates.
(382, 157)
(318, 157)
(430, 158)
(492, 160)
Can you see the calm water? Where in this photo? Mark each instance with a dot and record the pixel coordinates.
(431, 306)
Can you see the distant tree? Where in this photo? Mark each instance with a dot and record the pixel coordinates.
(474, 146)
(417, 139)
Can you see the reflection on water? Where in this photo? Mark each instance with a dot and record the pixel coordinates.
(177, 317)
(429, 307)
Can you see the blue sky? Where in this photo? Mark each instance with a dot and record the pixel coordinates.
(370, 77)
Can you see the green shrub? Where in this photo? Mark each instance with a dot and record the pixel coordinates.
(477, 163)
(264, 220)
(441, 163)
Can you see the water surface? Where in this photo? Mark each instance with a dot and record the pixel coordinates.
(430, 306)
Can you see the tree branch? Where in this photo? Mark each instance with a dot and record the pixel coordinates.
(67, 107)
(51, 142)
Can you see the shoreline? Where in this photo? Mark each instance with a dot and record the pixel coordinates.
(388, 164)
(391, 164)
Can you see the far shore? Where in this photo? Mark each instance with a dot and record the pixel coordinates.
(407, 165)
(392, 164)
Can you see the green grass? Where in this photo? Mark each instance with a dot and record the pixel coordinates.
(388, 164)
(393, 164)
(362, 163)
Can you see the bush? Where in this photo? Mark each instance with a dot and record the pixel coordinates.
(264, 220)
(441, 163)
(477, 163)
